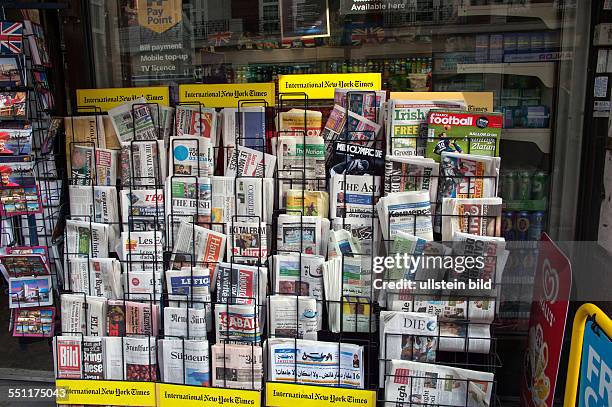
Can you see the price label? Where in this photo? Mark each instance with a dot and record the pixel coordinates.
(173, 395)
(105, 392)
(296, 395)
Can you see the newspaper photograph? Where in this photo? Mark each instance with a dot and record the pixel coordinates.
(237, 366)
(293, 317)
(314, 362)
(133, 121)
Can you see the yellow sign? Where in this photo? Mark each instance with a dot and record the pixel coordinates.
(322, 86)
(228, 95)
(107, 98)
(105, 392)
(475, 101)
(173, 395)
(296, 395)
(159, 15)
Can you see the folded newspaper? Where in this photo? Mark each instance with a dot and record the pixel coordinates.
(96, 277)
(302, 234)
(405, 211)
(142, 209)
(476, 216)
(98, 204)
(412, 174)
(197, 246)
(191, 156)
(293, 316)
(133, 121)
(354, 196)
(143, 164)
(184, 362)
(237, 366)
(246, 162)
(93, 166)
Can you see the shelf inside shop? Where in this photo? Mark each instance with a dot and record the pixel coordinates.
(547, 12)
(541, 137)
(545, 71)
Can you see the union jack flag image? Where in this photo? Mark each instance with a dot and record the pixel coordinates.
(10, 37)
(367, 35)
(219, 38)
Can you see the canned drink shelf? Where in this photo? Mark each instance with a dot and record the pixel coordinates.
(547, 12)
(526, 205)
(544, 71)
(541, 137)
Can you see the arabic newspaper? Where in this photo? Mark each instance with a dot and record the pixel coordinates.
(237, 366)
(293, 317)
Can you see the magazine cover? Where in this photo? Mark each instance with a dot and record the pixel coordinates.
(38, 322)
(354, 159)
(462, 132)
(13, 105)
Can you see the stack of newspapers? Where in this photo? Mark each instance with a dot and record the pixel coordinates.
(228, 248)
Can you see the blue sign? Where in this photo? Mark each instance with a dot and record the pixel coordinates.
(595, 368)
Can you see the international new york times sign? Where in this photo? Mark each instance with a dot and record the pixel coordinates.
(372, 6)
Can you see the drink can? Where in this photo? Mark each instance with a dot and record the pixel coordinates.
(521, 226)
(536, 225)
(538, 185)
(523, 189)
(509, 185)
(508, 225)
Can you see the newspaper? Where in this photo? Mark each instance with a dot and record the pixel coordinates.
(195, 245)
(254, 203)
(351, 127)
(184, 362)
(143, 164)
(93, 358)
(480, 311)
(85, 131)
(407, 124)
(97, 166)
(187, 323)
(192, 156)
(132, 318)
(143, 285)
(302, 234)
(368, 104)
(140, 359)
(86, 239)
(163, 118)
(299, 122)
(246, 162)
(238, 324)
(466, 176)
(133, 121)
(354, 195)
(98, 204)
(67, 359)
(245, 126)
(237, 366)
(300, 156)
(75, 321)
(191, 282)
(308, 203)
(113, 358)
(240, 284)
(194, 120)
(366, 230)
(405, 211)
(412, 174)
(424, 383)
(299, 274)
(142, 210)
(476, 216)
(96, 277)
(293, 317)
(406, 336)
(317, 363)
(248, 242)
(142, 250)
(464, 337)
(189, 200)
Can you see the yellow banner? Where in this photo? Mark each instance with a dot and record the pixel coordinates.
(228, 95)
(174, 395)
(108, 98)
(105, 392)
(296, 395)
(322, 86)
(475, 101)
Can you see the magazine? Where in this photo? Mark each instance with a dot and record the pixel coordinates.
(463, 132)
(476, 216)
(97, 166)
(425, 383)
(191, 156)
(143, 164)
(405, 211)
(354, 195)
(350, 157)
(142, 209)
(317, 363)
(407, 124)
(237, 366)
(246, 162)
(406, 336)
(133, 121)
(184, 362)
(293, 317)
(140, 359)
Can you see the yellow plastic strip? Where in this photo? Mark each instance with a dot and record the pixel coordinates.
(573, 368)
